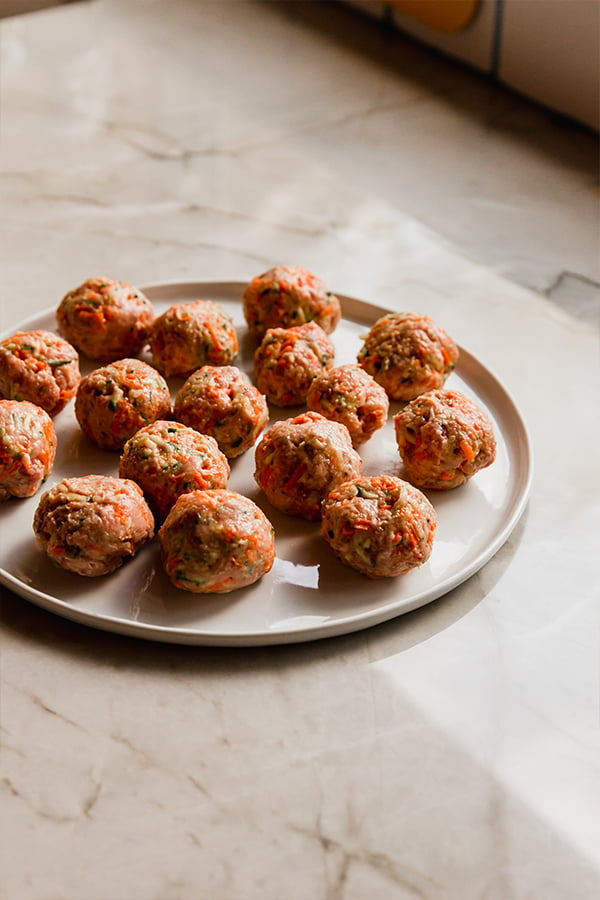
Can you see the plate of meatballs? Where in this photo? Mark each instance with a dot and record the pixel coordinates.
(246, 463)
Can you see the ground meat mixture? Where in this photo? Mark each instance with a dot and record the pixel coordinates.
(189, 335)
(444, 439)
(408, 354)
(106, 319)
(27, 448)
(168, 459)
(300, 460)
(41, 367)
(286, 296)
(221, 401)
(349, 395)
(288, 359)
(114, 401)
(381, 526)
(92, 524)
(216, 542)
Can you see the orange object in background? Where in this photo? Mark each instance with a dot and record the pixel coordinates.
(442, 15)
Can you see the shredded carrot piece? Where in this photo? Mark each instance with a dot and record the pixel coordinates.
(209, 325)
(467, 449)
(446, 476)
(295, 476)
(362, 524)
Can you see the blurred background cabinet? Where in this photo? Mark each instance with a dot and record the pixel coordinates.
(548, 50)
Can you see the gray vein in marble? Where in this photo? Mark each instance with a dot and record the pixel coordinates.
(37, 701)
(566, 275)
(56, 818)
(173, 208)
(345, 858)
(92, 798)
(53, 712)
(74, 199)
(10, 748)
(199, 786)
(177, 154)
(468, 752)
(89, 801)
(194, 839)
(11, 788)
(4, 745)
(117, 738)
(146, 760)
(237, 216)
(157, 241)
(580, 294)
(132, 135)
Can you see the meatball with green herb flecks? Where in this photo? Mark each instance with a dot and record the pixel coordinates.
(286, 296)
(115, 401)
(349, 395)
(288, 359)
(444, 438)
(41, 367)
(168, 459)
(27, 448)
(381, 526)
(106, 319)
(222, 401)
(190, 335)
(216, 542)
(90, 525)
(407, 354)
(299, 460)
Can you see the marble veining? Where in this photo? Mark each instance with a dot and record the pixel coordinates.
(451, 754)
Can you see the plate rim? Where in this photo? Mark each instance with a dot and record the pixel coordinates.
(328, 628)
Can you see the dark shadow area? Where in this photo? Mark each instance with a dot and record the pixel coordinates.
(478, 95)
(33, 625)
(25, 7)
(443, 815)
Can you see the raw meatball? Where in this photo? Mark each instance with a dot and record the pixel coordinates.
(299, 461)
(349, 395)
(380, 526)
(288, 359)
(190, 335)
(41, 367)
(408, 354)
(106, 319)
(91, 525)
(286, 296)
(444, 439)
(167, 459)
(114, 401)
(216, 542)
(27, 448)
(221, 401)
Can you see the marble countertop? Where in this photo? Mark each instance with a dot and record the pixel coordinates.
(449, 754)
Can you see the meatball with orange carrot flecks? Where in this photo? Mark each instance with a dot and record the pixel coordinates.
(41, 367)
(381, 525)
(106, 319)
(407, 354)
(288, 359)
(444, 438)
(286, 296)
(299, 460)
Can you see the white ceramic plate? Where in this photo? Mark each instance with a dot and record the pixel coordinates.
(308, 594)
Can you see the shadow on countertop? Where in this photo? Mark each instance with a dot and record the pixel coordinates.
(31, 625)
(24, 7)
